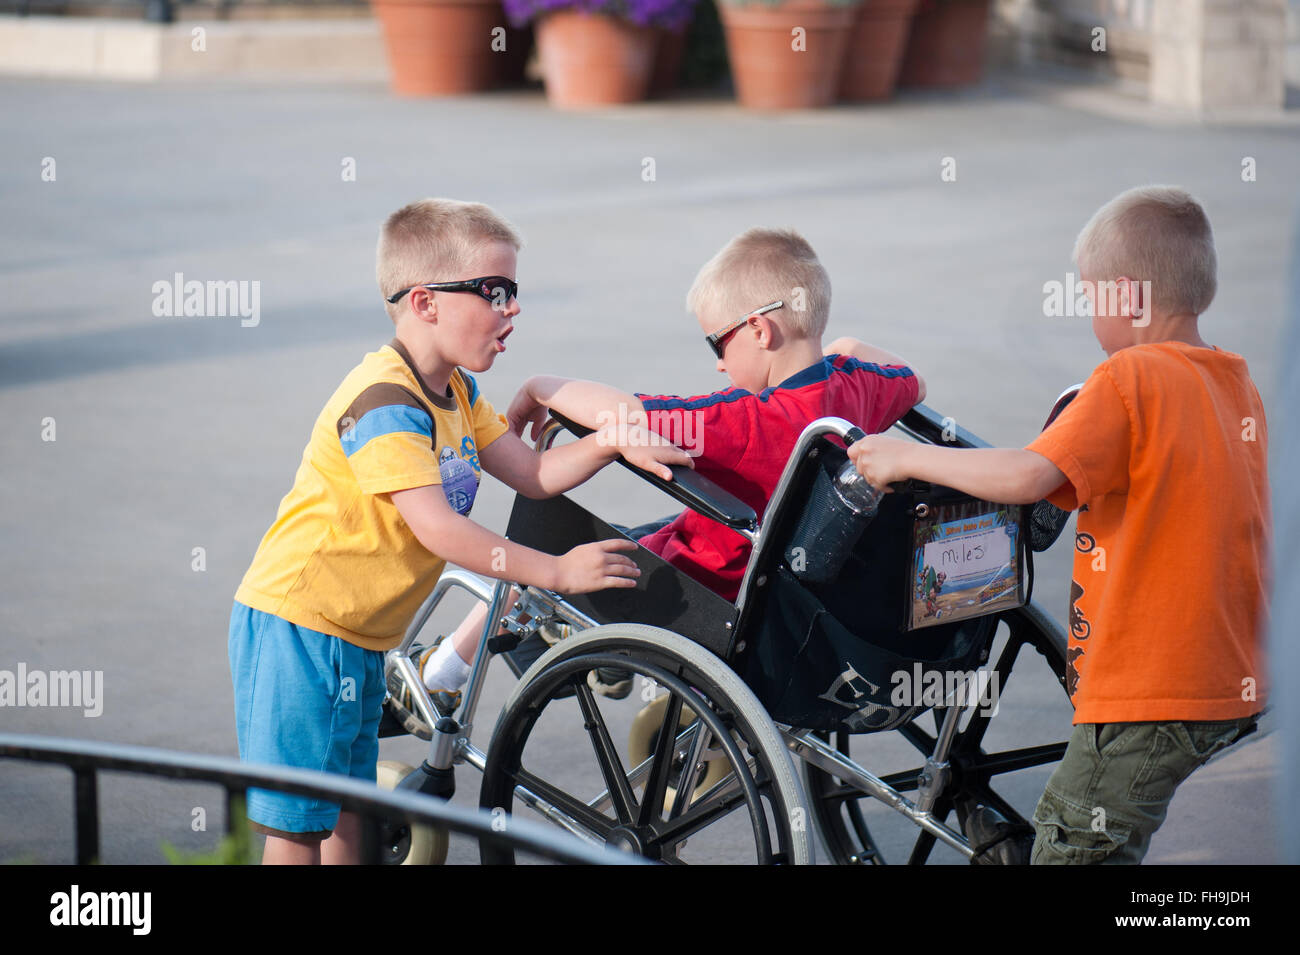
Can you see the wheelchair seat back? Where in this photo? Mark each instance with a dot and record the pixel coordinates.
(838, 655)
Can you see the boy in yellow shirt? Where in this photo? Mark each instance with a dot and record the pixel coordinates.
(380, 503)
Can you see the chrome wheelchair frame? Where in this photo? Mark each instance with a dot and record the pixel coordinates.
(711, 714)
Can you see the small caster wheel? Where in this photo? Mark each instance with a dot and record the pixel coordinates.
(640, 744)
(400, 842)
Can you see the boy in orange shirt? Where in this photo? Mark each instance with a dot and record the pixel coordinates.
(1164, 453)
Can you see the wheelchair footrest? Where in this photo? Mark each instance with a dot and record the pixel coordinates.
(390, 725)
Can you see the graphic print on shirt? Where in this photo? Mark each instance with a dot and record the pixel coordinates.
(1071, 671)
(1080, 627)
(459, 478)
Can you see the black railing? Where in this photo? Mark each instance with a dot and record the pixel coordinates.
(87, 759)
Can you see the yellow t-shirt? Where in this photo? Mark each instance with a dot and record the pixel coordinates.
(339, 559)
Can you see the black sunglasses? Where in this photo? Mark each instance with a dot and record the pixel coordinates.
(717, 341)
(497, 289)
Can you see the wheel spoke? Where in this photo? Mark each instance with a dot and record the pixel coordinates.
(611, 767)
(571, 806)
(656, 787)
(1012, 760)
(921, 850)
(918, 737)
(925, 841)
(697, 817)
(686, 782)
(973, 736)
(841, 792)
(902, 782)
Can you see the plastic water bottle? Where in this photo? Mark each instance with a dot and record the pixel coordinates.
(838, 512)
(858, 496)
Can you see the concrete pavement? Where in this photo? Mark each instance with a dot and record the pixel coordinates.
(181, 433)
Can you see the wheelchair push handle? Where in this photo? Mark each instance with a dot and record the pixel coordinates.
(691, 488)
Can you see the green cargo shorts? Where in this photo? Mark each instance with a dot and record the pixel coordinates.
(1110, 792)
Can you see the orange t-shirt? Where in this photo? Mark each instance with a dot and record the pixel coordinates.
(1166, 452)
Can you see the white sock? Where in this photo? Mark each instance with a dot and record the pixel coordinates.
(445, 670)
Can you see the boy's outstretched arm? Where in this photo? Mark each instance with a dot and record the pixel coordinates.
(620, 420)
(545, 474)
(876, 356)
(589, 403)
(1003, 475)
(459, 540)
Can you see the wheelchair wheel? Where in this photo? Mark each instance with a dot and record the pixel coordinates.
(594, 790)
(839, 807)
(641, 746)
(400, 842)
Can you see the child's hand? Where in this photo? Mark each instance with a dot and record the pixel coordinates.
(651, 451)
(597, 566)
(525, 410)
(880, 460)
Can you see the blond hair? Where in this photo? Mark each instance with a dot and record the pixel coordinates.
(761, 266)
(434, 240)
(1158, 234)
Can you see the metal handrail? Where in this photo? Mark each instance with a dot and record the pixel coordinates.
(88, 758)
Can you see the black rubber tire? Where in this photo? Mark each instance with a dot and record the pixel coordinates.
(837, 807)
(770, 794)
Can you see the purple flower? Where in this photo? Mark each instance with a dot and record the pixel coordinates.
(673, 14)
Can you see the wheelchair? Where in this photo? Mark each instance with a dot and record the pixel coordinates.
(697, 762)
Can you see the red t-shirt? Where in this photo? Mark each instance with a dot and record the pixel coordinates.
(743, 441)
(1165, 451)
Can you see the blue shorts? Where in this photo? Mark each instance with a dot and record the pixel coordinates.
(302, 699)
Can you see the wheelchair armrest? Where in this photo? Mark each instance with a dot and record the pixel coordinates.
(694, 490)
(926, 424)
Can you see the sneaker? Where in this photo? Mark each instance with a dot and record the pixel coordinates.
(997, 841)
(553, 631)
(611, 682)
(445, 702)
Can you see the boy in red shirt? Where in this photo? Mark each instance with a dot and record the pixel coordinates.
(762, 303)
(1164, 453)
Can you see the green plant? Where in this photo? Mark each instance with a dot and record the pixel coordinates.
(704, 64)
(233, 849)
(229, 851)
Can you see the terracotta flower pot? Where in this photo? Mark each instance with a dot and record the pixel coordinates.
(769, 69)
(441, 47)
(946, 47)
(876, 49)
(590, 59)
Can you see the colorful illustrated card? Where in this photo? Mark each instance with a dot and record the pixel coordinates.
(966, 562)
